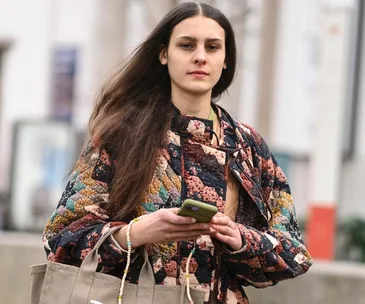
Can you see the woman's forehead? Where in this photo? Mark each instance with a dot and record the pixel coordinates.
(198, 27)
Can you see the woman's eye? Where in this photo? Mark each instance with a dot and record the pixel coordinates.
(186, 46)
(212, 47)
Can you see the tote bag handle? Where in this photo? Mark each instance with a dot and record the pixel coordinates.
(88, 268)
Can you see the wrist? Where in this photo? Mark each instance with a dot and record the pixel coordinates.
(120, 237)
(135, 235)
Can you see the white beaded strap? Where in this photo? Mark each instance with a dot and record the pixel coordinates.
(129, 252)
(188, 275)
(129, 245)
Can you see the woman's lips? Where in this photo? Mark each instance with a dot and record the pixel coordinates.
(198, 74)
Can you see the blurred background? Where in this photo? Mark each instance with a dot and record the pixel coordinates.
(300, 83)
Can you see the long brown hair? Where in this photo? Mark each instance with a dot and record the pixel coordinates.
(134, 110)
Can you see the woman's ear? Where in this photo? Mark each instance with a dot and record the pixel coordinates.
(163, 56)
(224, 65)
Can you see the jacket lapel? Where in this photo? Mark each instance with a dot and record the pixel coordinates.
(242, 167)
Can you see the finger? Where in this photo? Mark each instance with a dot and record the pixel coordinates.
(233, 242)
(225, 221)
(220, 220)
(184, 235)
(230, 227)
(225, 230)
(193, 238)
(189, 233)
(174, 210)
(216, 217)
(212, 232)
(197, 226)
(223, 238)
(232, 224)
(171, 216)
(218, 214)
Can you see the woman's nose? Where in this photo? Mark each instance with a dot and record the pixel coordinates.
(200, 56)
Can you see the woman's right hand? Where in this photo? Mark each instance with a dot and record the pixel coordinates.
(162, 226)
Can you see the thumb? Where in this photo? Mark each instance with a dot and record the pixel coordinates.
(174, 210)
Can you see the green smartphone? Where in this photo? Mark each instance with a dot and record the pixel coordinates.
(202, 212)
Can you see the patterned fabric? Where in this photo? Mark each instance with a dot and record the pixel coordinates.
(191, 167)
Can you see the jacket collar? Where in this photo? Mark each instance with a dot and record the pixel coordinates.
(186, 126)
(201, 130)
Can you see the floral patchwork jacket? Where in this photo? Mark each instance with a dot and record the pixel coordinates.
(190, 167)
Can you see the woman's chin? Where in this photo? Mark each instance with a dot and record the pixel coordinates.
(198, 90)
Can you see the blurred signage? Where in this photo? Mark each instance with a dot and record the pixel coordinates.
(43, 154)
(63, 83)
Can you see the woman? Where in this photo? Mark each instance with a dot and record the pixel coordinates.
(158, 138)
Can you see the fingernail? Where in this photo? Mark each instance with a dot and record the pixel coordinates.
(193, 220)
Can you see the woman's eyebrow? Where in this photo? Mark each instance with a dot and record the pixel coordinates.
(194, 39)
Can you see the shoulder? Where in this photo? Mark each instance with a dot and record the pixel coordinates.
(95, 160)
(93, 149)
(254, 139)
(248, 137)
(246, 133)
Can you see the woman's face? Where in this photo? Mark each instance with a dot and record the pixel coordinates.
(195, 56)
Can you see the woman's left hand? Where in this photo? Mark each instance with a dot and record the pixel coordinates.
(226, 231)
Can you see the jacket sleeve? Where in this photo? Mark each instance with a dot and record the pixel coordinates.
(279, 253)
(79, 219)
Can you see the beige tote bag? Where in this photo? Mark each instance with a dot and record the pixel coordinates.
(55, 283)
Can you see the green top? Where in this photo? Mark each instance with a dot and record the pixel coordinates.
(212, 115)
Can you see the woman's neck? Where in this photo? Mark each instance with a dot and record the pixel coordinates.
(192, 105)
